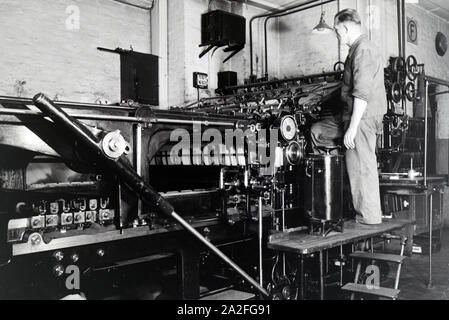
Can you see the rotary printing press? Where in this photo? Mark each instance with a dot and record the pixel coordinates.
(78, 188)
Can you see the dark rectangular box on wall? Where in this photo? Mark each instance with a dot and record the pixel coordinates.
(140, 78)
(221, 27)
(226, 79)
(200, 80)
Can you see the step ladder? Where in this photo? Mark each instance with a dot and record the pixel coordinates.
(357, 288)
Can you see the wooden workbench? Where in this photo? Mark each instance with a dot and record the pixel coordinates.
(304, 244)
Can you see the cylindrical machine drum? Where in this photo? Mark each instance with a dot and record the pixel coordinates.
(327, 187)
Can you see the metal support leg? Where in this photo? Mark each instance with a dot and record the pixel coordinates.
(302, 278)
(352, 260)
(284, 268)
(341, 266)
(189, 272)
(441, 213)
(321, 276)
(138, 161)
(356, 278)
(398, 272)
(260, 242)
(409, 232)
(430, 284)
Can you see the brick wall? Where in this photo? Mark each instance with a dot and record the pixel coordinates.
(185, 37)
(176, 52)
(304, 53)
(38, 48)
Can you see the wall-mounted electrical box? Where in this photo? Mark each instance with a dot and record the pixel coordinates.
(223, 29)
(200, 80)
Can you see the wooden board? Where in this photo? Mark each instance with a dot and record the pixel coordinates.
(301, 243)
(364, 289)
(414, 183)
(229, 295)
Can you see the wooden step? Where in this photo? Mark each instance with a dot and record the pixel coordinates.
(229, 295)
(379, 292)
(377, 256)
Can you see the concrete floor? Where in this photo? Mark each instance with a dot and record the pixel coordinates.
(415, 275)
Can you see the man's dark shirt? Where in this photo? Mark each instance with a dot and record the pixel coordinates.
(363, 78)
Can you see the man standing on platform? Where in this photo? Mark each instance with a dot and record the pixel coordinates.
(365, 100)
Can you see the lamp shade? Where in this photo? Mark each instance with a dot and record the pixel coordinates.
(322, 27)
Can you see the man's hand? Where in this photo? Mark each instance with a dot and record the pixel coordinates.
(350, 138)
(357, 114)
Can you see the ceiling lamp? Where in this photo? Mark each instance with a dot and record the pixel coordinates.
(322, 27)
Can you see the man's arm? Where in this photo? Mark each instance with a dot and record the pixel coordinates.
(357, 114)
(365, 67)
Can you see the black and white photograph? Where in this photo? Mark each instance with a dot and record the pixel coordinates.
(225, 156)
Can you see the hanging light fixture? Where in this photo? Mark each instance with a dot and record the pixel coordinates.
(322, 27)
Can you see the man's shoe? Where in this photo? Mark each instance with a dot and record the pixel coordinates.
(366, 225)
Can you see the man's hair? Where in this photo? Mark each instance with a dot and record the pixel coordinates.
(348, 15)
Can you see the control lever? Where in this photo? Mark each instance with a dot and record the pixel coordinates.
(127, 174)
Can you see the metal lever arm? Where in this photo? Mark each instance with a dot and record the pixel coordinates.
(127, 174)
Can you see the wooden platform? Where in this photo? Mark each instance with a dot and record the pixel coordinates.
(304, 244)
(380, 292)
(229, 295)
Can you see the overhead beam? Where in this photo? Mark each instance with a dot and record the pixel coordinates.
(142, 4)
(263, 4)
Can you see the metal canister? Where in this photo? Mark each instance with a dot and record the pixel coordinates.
(327, 187)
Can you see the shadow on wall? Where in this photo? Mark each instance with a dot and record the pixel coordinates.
(301, 51)
(282, 27)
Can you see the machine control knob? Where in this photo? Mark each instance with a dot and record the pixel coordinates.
(36, 223)
(286, 293)
(58, 255)
(50, 221)
(277, 297)
(206, 232)
(100, 252)
(114, 145)
(266, 195)
(69, 219)
(75, 257)
(58, 271)
(36, 239)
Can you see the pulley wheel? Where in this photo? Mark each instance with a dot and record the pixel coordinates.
(410, 92)
(339, 66)
(412, 68)
(396, 92)
(399, 64)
